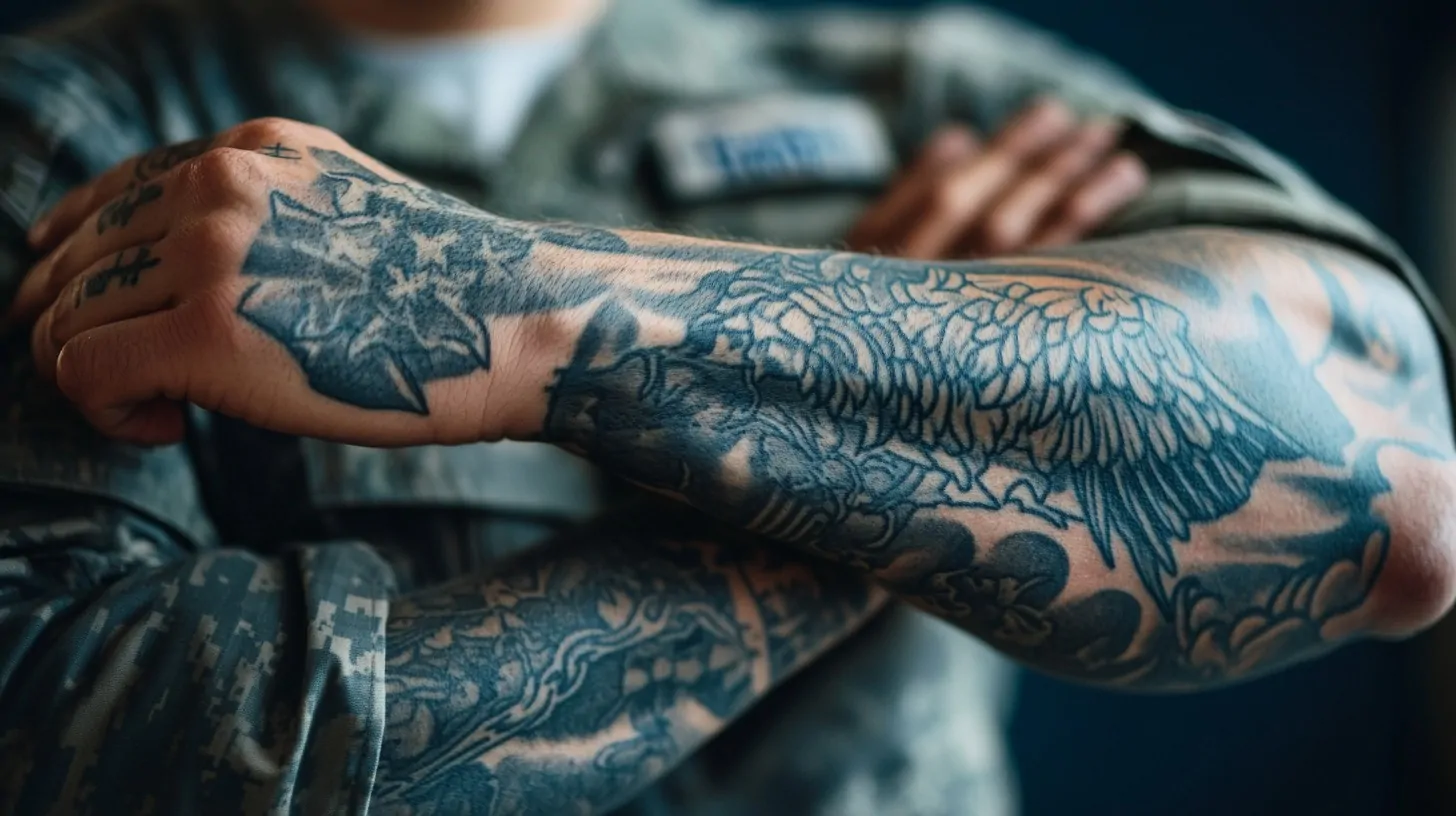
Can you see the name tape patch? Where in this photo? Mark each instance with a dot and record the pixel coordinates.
(771, 144)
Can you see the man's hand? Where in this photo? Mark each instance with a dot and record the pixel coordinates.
(1045, 180)
(191, 273)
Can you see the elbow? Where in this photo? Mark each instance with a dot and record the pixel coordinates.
(1417, 582)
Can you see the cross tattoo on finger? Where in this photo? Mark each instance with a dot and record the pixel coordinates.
(124, 272)
(278, 150)
(119, 212)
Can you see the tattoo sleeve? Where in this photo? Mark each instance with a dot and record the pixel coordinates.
(1104, 477)
(221, 681)
(1160, 462)
(572, 680)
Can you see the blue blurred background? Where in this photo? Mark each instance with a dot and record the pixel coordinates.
(1344, 87)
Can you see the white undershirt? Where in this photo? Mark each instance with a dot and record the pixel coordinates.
(481, 85)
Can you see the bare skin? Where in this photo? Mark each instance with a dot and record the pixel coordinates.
(1045, 180)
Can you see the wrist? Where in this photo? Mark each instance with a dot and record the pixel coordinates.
(531, 352)
(535, 309)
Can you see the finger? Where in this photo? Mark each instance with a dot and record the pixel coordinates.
(1030, 202)
(130, 284)
(82, 202)
(275, 138)
(962, 199)
(949, 146)
(128, 378)
(140, 215)
(1111, 187)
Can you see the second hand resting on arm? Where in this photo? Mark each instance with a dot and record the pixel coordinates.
(1162, 462)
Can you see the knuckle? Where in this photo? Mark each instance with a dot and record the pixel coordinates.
(210, 238)
(1029, 133)
(266, 130)
(208, 323)
(224, 172)
(947, 201)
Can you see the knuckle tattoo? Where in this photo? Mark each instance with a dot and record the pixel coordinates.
(118, 213)
(158, 162)
(125, 271)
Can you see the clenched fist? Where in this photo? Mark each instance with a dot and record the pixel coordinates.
(276, 274)
(1045, 180)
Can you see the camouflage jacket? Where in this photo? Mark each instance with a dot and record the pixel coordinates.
(202, 628)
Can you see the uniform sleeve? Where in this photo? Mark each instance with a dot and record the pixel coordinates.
(138, 676)
(63, 119)
(975, 65)
(142, 669)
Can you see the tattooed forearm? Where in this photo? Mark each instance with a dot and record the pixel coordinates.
(972, 435)
(1165, 461)
(573, 679)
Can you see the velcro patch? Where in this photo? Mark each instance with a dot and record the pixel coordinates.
(771, 144)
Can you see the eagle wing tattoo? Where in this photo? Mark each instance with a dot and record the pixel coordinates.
(907, 385)
(922, 381)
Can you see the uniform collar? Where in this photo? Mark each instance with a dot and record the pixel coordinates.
(678, 45)
(640, 48)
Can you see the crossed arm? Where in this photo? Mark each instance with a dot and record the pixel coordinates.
(137, 674)
(1161, 462)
